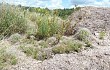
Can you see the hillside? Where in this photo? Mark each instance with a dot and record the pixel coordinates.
(44, 42)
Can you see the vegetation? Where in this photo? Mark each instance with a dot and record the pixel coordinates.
(30, 51)
(39, 24)
(6, 59)
(68, 47)
(102, 35)
(15, 38)
(11, 21)
(35, 53)
(83, 34)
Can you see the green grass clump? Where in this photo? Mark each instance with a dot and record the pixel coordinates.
(68, 47)
(30, 51)
(59, 49)
(83, 34)
(6, 59)
(102, 34)
(48, 26)
(88, 43)
(15, 38)
(44, 44)
(35, 53)
(11, 21)
(74, 46)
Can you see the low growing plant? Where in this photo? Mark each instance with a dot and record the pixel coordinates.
(6, 59)
(102, 35)
(83, 34)
(15, 38)
(11, 21)
(68, 47)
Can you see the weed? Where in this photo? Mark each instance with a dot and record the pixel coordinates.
(15, 38)
(11, 21)
(102, 34)
(68, 47)
(6, 59)
(83, 34)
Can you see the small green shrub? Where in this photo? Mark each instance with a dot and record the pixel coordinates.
(31, 29)
(43, 28)
(43, 44)
(74, 46)
(32, 16)
(35, 53)
(15, 38)
(6, 59)
(42, 56)
(48, 26)
(83, 34)
(102, 35)
(30, 51)
(11, 21)
(88, 44)
(68, 47)
(59, 49)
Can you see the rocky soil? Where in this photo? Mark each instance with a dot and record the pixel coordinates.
(95, 58)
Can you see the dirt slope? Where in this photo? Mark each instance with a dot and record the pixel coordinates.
(93, 18)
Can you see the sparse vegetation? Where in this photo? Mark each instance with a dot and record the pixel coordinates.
(68, 47)
(30, 51)
(35, 53)
(83, 34)
(11, 21)
(6, 59)
(102, 34)
(15, 38)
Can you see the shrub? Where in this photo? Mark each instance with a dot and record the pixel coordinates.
(102, 34)
(88, 44)
(11, 21)
(83, 34)
(59, 49)
(42, 56)
(15, 38)
(35, 53)
(68, 47)
(6, 59)
(30, 51)
(32, 16)
(43, 44)
(48, 26)
(31, 28)
(43, 28)
(74, 46)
